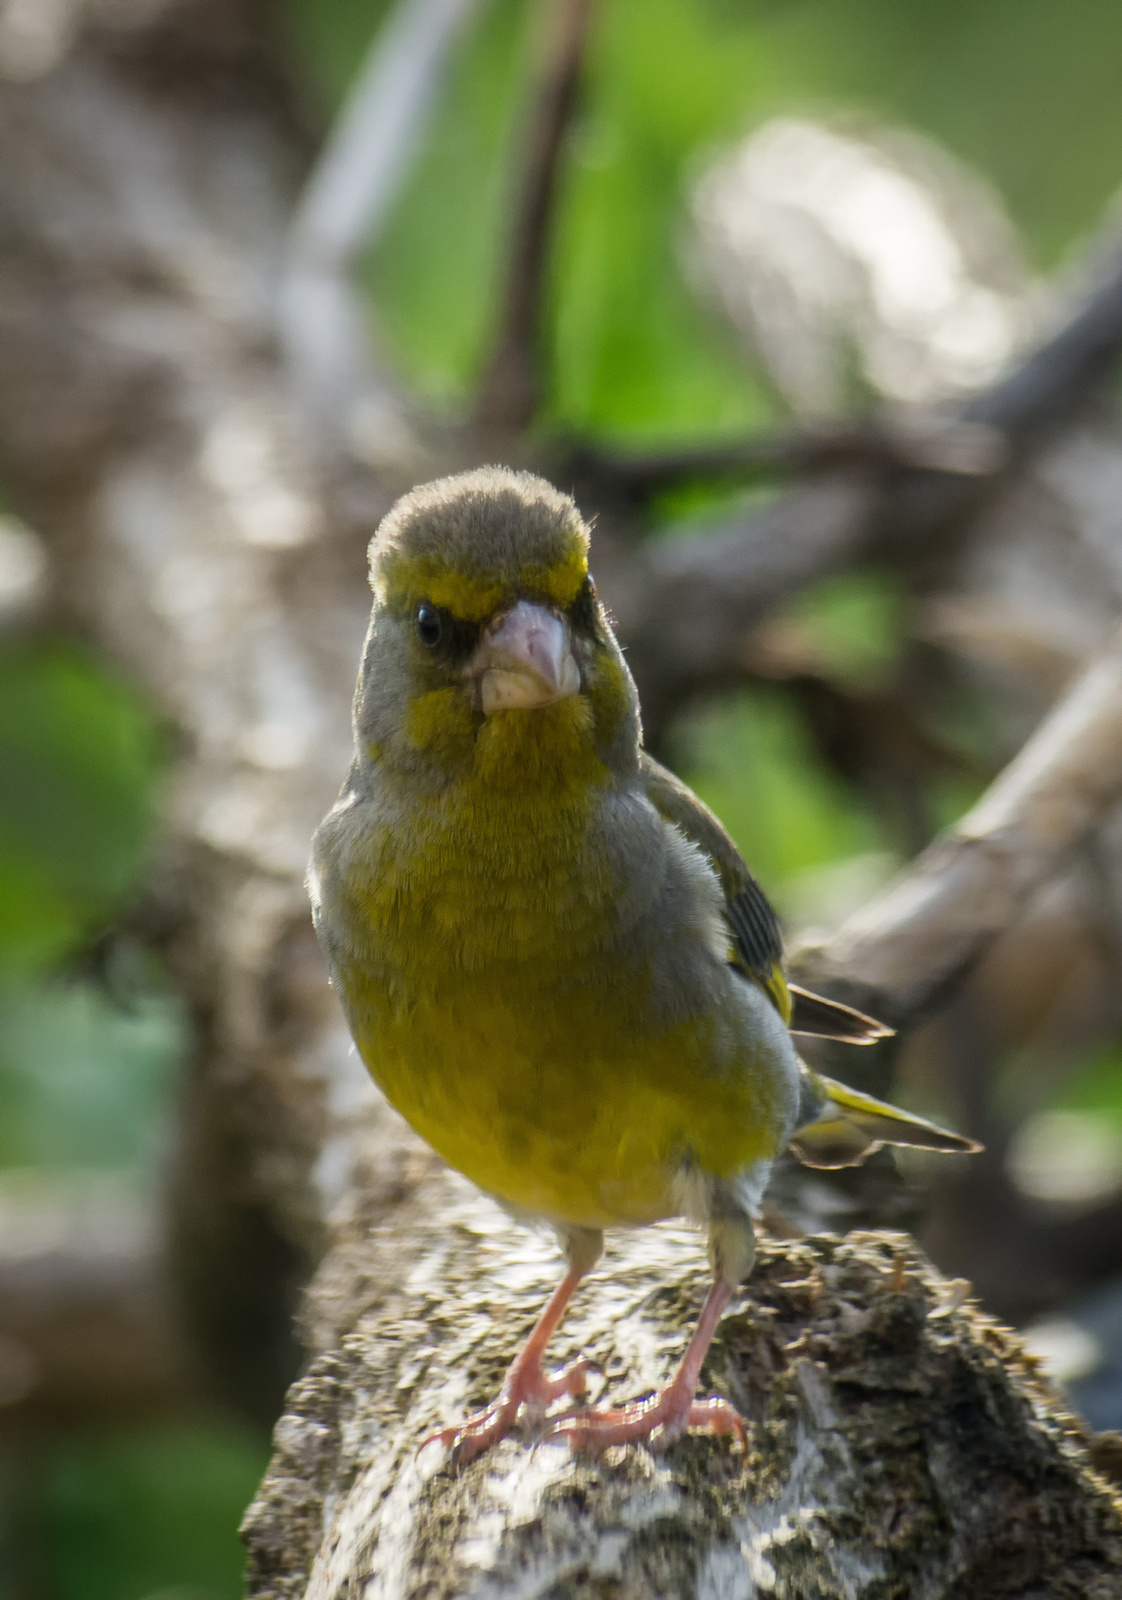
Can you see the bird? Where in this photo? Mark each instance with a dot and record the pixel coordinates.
(551, 956)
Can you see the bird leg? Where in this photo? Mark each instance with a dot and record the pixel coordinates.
(525, 1384)
(673, 1409)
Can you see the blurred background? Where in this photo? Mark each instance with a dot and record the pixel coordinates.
(789, 247)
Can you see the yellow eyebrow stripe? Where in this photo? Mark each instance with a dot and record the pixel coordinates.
(409, 579)
(561, 582)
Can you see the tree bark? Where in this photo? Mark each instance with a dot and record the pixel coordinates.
(901, 1443)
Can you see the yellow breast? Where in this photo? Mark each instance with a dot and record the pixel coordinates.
(498, 1008)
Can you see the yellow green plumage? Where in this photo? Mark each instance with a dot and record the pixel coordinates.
(552, 958)
(459, 890)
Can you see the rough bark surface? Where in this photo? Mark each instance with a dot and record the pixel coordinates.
(901, 1444)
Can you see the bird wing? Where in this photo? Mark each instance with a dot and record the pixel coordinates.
(757, 941)
(837, 1126)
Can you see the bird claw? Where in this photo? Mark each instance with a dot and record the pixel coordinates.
(659, 1421)
(571, 1380)
(468, 1439)
(526, 1389)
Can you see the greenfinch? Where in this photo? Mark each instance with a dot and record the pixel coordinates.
(551, 956)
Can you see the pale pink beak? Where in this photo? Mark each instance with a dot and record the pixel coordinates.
(524, 661)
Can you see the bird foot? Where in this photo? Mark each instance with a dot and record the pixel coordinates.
(526, 1388)
(660, 1421)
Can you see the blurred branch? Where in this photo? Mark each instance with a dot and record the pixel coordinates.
(958, 447)
(324, 325)
(903, 951)
(684, 605)
(509, 394)
(1044, 389)
(87, 1328)
(147, 434)
(1050, 383)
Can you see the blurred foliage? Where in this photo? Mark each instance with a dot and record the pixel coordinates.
(750, 758)
(434, 281)
(85, 1068)
(1028, 92)
(134, 1515)
(855, 624)
(327, 43)
(79, 756)
(85, 1082)
(1097, 1085)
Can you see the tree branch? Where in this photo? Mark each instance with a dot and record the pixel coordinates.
(685, 605)
(510, 390)
(969, 449)
(900, 1442)
(903, 951)
(1050, 383)
(324, 324)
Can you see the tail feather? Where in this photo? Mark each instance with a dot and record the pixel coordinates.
(829, 1019)
(846, 1126)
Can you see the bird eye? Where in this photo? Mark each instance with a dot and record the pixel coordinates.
(430, 629)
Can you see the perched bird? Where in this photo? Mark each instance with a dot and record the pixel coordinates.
(551, 956)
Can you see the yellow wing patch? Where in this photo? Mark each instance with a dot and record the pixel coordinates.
(776, 987)
(774, 984)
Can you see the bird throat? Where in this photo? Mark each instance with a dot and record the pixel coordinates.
(542, 754)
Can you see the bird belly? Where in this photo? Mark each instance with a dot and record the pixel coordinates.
(543, 994)
(562, 1108)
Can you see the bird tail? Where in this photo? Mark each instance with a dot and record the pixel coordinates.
(829, 1019)
(842, 1126)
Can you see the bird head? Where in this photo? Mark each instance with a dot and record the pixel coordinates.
(488, 649)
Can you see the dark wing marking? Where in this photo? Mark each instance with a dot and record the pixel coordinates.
(755, 927)
(756, 935)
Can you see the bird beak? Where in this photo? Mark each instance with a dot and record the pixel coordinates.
(524, 660)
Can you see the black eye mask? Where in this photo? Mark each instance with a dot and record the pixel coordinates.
(444, 638)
